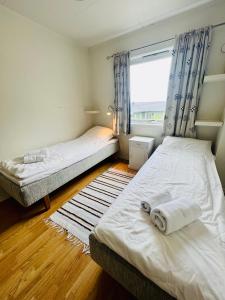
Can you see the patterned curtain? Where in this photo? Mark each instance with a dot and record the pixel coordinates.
(186, 79)
(122, 93)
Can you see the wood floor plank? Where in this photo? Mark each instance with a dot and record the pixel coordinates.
(37, 262)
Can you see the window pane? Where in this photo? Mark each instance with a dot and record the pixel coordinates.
(149, 83)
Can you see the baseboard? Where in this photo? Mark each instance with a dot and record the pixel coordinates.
(124, 160)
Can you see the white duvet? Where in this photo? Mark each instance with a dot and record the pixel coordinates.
(190, 263)
(60, 156)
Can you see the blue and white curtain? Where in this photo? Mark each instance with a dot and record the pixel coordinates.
(186, 79)
(122, 93)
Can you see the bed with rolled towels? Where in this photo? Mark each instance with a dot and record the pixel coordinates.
(164, 236)
(38, 173)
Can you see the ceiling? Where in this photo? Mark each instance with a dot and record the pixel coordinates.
(90, 22)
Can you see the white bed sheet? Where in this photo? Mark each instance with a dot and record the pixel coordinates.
(190, 263)
(61, 156)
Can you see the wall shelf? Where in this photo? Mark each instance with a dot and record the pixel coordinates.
(214, 78)
(208, 123)
(92, 112)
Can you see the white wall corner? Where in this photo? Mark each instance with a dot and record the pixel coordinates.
(220, 158)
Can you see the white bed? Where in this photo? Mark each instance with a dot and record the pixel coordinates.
(27, 183)
(190, 263)
(60, 156)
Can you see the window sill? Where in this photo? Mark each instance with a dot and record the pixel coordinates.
(150, 124)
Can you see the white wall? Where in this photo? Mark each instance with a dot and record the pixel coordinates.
(44, 86)
(213, 100)
(220, 153)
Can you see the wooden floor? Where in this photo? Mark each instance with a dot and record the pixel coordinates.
(36, 262)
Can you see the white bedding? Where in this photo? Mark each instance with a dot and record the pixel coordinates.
(190, 263)
(59, 157)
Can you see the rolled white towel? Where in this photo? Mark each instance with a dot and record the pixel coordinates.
(174, 215)
(35, 156)
(155, 200)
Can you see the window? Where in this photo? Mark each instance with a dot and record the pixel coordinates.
(149, 76)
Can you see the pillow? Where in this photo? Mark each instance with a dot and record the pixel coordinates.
(195, 145)
(103, 134)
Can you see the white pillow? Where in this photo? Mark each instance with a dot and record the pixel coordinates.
(195, 145)
(103, 134)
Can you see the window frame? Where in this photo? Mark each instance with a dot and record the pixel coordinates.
(144, 58)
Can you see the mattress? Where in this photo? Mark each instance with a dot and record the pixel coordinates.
(190, 263)
(61, 156)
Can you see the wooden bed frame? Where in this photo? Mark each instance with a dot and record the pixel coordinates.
(47, 202)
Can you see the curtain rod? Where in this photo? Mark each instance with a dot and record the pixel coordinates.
(163, 41)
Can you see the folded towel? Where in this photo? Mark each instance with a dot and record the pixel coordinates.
(155, 200)
(35, 156)
(174, 215)
(43, 151)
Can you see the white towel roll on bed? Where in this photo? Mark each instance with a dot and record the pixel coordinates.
(174, 215)
(155, 200)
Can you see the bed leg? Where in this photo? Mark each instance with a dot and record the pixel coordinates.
(46, 200)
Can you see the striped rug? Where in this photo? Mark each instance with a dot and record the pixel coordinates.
(79, 216)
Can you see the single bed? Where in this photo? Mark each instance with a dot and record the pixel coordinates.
(67, 161)
(187, 264)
